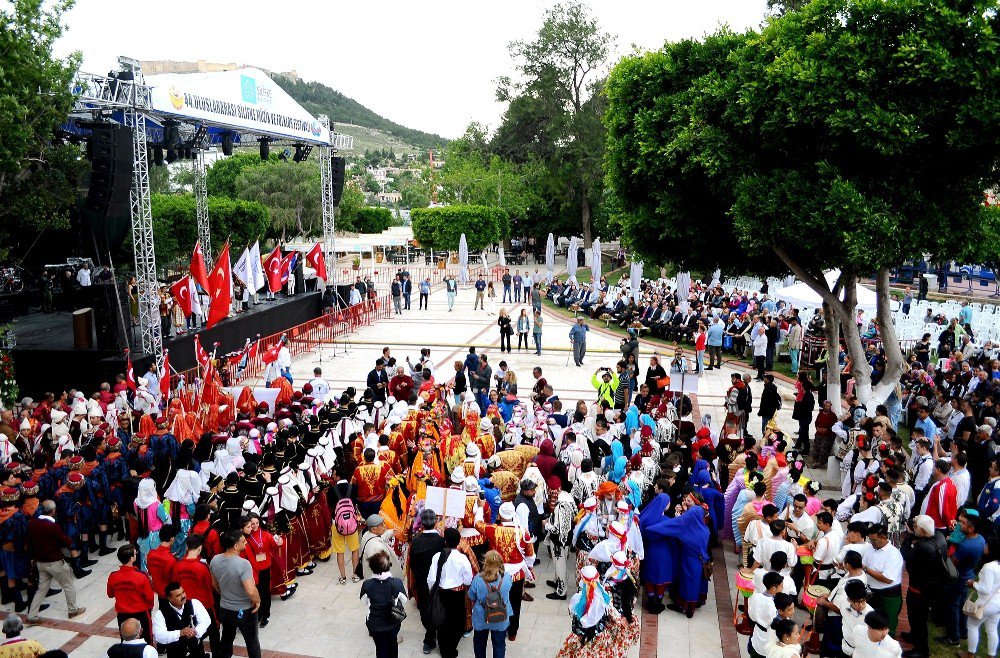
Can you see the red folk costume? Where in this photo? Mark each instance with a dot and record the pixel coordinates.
(370, 480)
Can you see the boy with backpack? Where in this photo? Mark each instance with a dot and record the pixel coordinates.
(345, 529)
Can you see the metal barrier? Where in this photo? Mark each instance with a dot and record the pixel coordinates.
(302, 338)
(385, 274)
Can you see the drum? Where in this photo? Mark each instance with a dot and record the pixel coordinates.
(744, 582)
(805, 554)
(811, 594)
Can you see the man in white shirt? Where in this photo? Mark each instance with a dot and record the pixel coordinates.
(854, 540)
(883, 565)
(180, 620)
(923, 466)
(799, 524)
(827, 547)
(321, 388)
(872, 639)
(762, 611)
(131, 633)
(759, 528)
(83, 275)
(853, 615)
(456, 576)
(960, 476)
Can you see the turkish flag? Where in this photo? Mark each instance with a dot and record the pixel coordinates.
(198, 270)
(288, 264)
(181, 291)
(165, 371)
(316, 261)
(199, 352)
(272, 266)
(129, 373)
(271, 354)
(221, 290)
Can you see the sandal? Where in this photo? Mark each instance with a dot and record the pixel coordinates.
(355, 579)
(342, 581)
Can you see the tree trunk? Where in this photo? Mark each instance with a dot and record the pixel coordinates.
(832, 332)
(585, 216)
(894, 358)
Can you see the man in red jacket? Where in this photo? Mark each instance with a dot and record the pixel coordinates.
(160, 561)
(193, 575)
(941, 501)
(132, 592)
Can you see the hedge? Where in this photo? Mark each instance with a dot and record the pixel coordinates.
(442, 228)
(372, 220)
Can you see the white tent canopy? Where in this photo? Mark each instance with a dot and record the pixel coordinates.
(802, 296)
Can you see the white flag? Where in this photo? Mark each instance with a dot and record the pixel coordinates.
(256, 269)
(195, 299)
(242, 268)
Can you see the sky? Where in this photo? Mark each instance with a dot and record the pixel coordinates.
(429, 65)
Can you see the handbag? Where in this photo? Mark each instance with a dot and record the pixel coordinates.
(975, 607)
(707, 568)
(436, 615)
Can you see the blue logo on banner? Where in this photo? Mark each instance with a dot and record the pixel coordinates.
(249, 86)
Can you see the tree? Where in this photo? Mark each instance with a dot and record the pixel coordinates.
(291, 194)
(373, 220)
(221, 176)
(845, 135)
(442, 228)
(38, 177)
(352, 201)
(560, 68)
(175, 226)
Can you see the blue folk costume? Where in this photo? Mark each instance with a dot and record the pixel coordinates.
(658, 567)
(701, 480)
(689, 535)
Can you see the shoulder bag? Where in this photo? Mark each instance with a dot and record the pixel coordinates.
(974, 606)
(435, 607)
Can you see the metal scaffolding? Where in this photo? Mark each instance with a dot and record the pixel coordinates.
(329, 208)
(201, 199)
(142, 216)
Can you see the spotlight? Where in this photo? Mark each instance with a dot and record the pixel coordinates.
(171, 134)
(158, 156)
(284, 155)
(227, 143)
(300, 153)
(265, 148)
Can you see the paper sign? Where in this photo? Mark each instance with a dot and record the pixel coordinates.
(446, 502)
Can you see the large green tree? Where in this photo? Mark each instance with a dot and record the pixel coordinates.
(848, 134)
(555, 110)
(291, 194)
(38, 177)
(175, 227)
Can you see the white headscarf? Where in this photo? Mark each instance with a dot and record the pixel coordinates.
(185, 488)
(223, 464)
(147, 494)
(234, 446)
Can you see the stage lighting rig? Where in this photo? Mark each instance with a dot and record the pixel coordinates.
(265, 148)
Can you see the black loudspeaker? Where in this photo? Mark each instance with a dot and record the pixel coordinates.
(300, 282)
(112, 317)
(343, 295)
(339, 166)
(107, 208)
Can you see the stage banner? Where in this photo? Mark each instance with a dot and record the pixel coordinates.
(244, 99)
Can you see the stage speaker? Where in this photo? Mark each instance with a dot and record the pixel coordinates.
(108, 209)
(112, 316)
(339, 166)
(300, 282)
(343, 295)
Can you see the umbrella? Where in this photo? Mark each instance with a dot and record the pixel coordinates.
(595, 265)
(683, 289)
(550, 257)
(790, 280)
(716, 278)
(801, 296)
(503, 257)
(635, 277)
(463, 260)
(572, 256)
(486, 268)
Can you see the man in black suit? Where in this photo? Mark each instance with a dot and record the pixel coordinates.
(378, 381)
(407, 290)
(423, 548)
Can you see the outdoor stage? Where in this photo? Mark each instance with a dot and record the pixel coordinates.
(47, 361)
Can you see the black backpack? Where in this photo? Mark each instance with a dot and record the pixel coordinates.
(494, 606)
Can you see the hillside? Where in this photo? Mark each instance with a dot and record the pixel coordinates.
(317, 98)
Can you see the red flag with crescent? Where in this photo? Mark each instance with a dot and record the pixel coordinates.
(272, 266)
(198, 270)
(221, 281)
(316, 261)
(182, 294)
(129, 373)
(199, 352)
(165, 370)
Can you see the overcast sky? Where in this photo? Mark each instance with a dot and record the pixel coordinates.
(429, 65)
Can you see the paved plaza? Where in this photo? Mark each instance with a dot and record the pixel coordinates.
(327, 619)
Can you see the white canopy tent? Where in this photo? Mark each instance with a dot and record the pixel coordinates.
(802, 296)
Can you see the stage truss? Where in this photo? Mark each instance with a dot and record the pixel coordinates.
(104, 97)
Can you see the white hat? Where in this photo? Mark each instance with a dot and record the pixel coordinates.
(458, 475)
(143, 381)
(471, 484)
(485, 424)
(472, 450)
(248, 506)
(254, 433)
(390, 400)
(58, 416)
(80, 409)
(507, 511)
(271, 491)
(25, 425)
(494, 461)
(272, 426)
(313, 452)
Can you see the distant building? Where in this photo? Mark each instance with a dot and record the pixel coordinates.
(389, 198)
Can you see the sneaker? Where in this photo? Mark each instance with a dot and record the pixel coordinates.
(53, 592)
(428, 647)
(107, 550)
(77, 612)
(341, 581)
(555, 597)
(263, 622)
(355, 579)
(81, 573)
